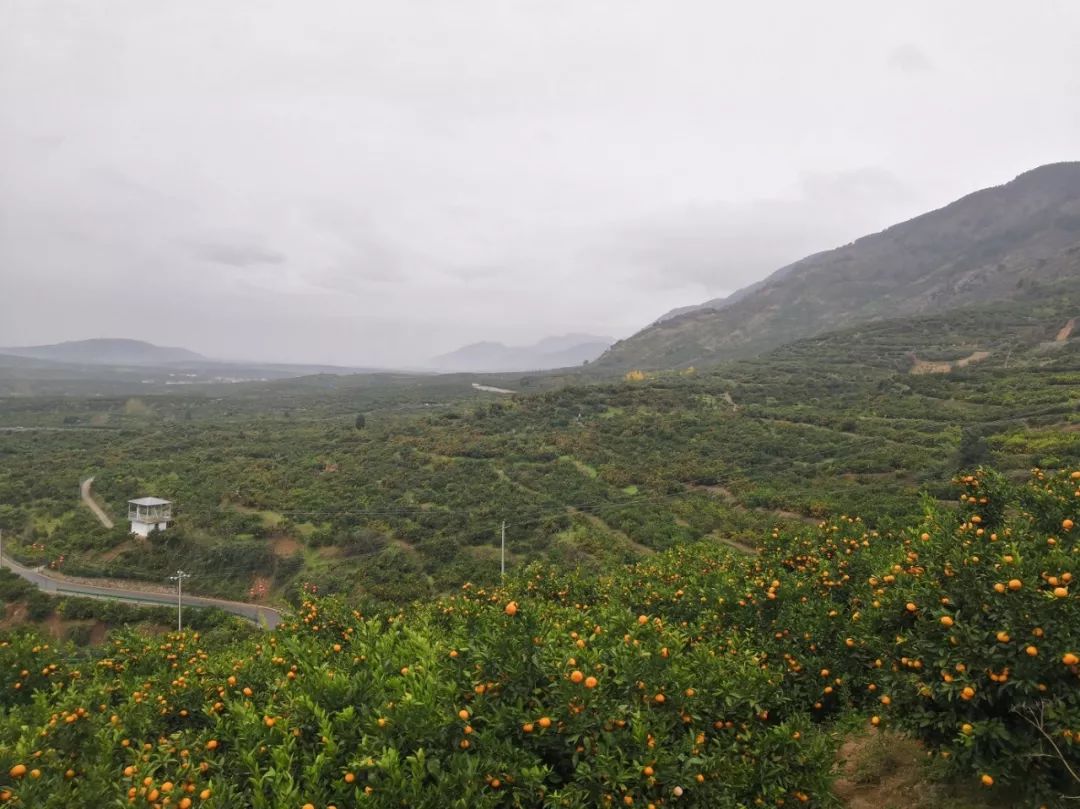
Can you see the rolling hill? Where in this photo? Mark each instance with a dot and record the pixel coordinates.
(988, 246)
(552, 352)
(105, 351)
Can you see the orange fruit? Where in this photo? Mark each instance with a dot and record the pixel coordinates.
(511, 608)
(1015, 584)
(591, 682)
(18, 771)
(987, 781)
(463, 714)
(576, 676)
(544, 722)
(1061, 592)
(946, 620)
(1070, 659)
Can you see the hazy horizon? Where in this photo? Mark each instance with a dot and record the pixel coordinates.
(375, 185)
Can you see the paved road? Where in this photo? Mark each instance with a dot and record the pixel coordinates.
(91, 503)
(261, 616)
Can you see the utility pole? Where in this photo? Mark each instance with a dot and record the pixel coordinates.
(502, 560)
(179, 579)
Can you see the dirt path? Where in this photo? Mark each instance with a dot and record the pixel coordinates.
(84, 490)
(111, 554)
(1066, 331)
(735, 544)
(929, 367)
(643, 550)
(728, 497)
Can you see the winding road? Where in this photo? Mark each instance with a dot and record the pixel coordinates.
(266, 617)
(91, 503)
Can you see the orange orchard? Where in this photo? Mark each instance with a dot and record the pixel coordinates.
(698, 674)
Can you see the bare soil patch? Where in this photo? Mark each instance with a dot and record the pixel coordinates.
(1066, 331)
(882, 770)
(285, 546)
(928, 367)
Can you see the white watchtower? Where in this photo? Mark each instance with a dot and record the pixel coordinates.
(148, 513)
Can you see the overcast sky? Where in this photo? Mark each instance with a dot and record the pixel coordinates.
(380, 181)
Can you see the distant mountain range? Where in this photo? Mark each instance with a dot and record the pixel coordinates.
(106, 351)
(567, 351)
(993, 245)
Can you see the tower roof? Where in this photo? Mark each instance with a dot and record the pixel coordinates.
(149, 501)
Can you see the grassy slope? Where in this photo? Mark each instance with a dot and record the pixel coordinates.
(988, 246)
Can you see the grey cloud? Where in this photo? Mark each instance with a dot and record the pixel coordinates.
(237, 255)
(382, 182)
(910, 58)
(725, 246)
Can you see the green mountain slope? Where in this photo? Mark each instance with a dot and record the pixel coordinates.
(988, 246)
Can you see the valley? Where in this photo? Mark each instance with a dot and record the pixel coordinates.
(585, 473)
(742, 568)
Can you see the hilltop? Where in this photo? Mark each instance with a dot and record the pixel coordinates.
(989, 246)
(105, 351)
(566, 351)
